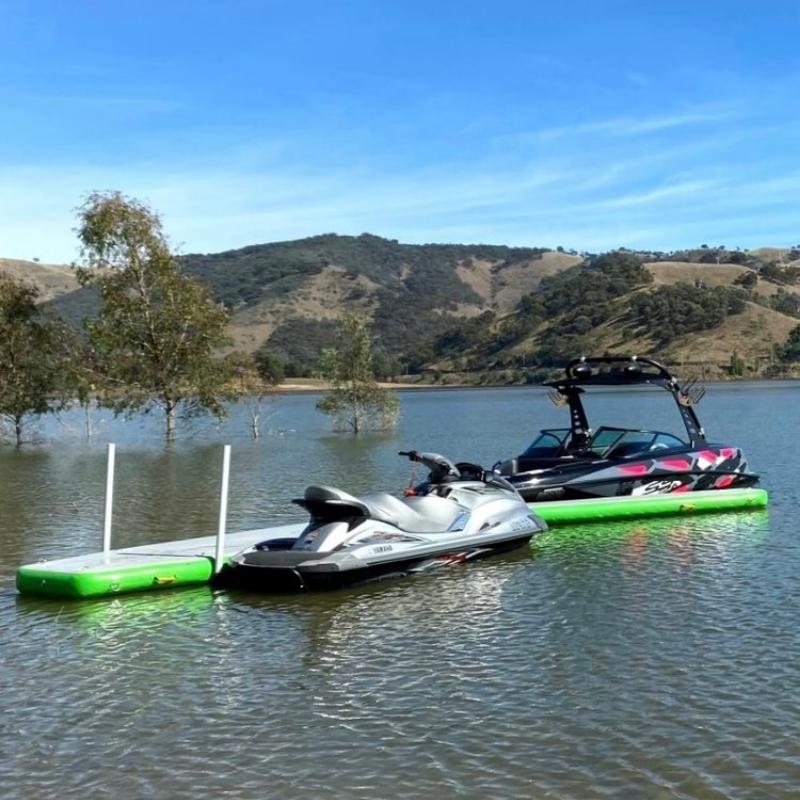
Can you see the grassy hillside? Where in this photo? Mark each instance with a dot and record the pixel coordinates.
(471, 312)
(52, 280)
(718, 318)
(291, 293)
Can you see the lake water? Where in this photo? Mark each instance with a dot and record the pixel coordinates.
(654, 659)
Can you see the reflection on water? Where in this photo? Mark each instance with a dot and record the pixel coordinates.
(638, 659)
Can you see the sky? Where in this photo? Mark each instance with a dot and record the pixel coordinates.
(586, 125)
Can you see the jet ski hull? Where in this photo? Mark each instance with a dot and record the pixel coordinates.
(278, 571)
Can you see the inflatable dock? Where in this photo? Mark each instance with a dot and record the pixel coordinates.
(195, 561)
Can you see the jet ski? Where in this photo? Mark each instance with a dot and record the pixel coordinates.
(578, 463)
(459, 513)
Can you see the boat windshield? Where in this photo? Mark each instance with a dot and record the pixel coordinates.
(548, 444)
(622, 442)
(607, 442)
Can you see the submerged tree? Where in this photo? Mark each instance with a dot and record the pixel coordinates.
(158, 329)
(355, 400)
(30, 352)
(258, 376)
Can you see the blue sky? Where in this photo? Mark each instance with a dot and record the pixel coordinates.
(590, 125)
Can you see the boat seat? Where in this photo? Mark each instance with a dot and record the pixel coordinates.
(413, 514)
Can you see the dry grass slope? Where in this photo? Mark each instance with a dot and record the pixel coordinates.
(498, 285)
(322, 296)
(52, 280)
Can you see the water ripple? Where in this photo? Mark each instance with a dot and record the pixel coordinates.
(653, 660)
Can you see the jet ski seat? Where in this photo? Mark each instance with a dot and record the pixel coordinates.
(329, 494)
(413, 514)
(316, 496)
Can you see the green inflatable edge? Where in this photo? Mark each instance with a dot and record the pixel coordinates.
(33, 580)
(564, 512)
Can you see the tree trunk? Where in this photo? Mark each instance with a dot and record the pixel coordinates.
(254, 407)
(170, 414)
(88, 412)
(18, 428)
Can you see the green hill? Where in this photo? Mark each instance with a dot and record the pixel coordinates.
(488, 312)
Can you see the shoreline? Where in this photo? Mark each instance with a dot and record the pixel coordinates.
(309, 388)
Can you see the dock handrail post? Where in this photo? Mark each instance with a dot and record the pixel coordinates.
(109, 499)
(223, 508)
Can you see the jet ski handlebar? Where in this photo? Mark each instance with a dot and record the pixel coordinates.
(444, 471)
(440, 467)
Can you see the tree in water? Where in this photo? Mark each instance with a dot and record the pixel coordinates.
(158, 329)
(81, 376)
(258, 376)
(355, 400)
(30, 353)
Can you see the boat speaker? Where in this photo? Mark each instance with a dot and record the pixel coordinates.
(582, 371)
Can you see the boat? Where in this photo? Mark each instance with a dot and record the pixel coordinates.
(461, 512)
(577, 462)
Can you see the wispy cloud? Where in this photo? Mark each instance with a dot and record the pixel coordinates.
(622, 190)
(626, 126)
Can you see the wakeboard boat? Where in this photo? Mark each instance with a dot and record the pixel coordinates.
(578, 462)
(459, 513)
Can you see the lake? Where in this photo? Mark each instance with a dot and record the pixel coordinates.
(652, 659)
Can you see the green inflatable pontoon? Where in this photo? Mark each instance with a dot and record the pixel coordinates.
(191, 561)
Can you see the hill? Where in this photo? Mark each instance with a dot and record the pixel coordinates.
(52, 280)
(718, 318)
(477, 313)
(291, 293)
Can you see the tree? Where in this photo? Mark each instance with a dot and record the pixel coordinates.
(82, 379)
(737, 365)
(790, 351)
(269, 367)
(29, 356)
(772, 272)
(682, 307)
(259, 374)
(355, 399)
(158, 329)
(747, 279)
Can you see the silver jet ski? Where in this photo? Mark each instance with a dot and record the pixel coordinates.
(459, 513)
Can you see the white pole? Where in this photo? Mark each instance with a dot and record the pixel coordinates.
(223, 508)
(109, 500)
